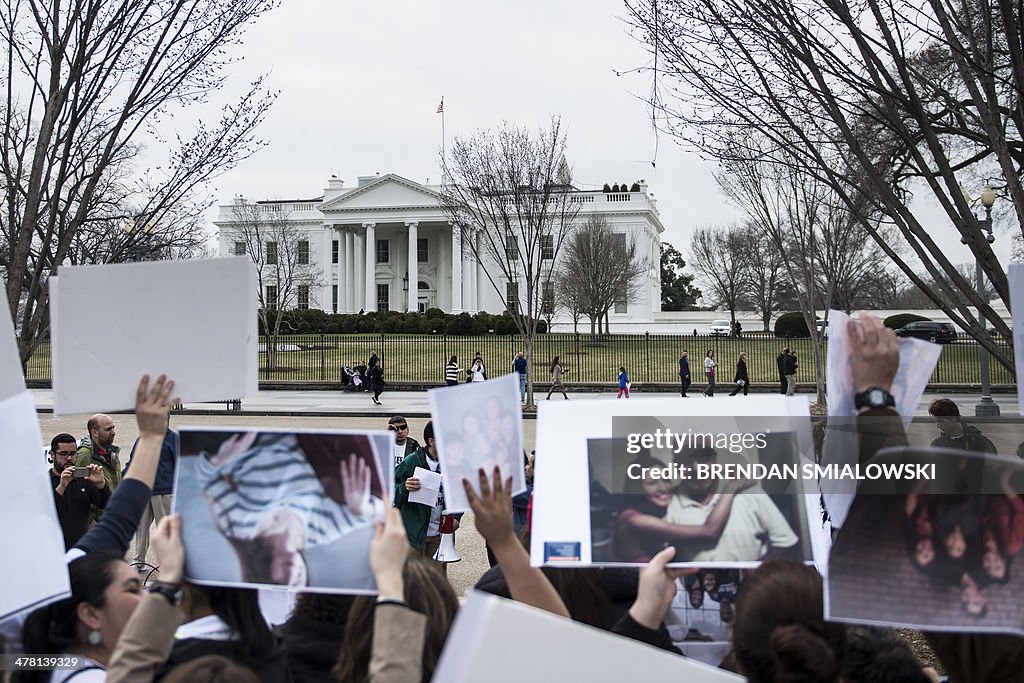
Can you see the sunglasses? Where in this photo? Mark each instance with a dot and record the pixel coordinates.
(66, 454)
(395, 428)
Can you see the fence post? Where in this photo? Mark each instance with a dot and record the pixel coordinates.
(323, 357)
(647, 356)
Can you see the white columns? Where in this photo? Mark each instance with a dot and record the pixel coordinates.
(412, 300)
(358, 270)
(350, 273)
(328, 269)
(457, 266)
(481, 277)
(370, 273)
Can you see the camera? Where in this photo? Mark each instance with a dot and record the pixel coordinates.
(81, 473)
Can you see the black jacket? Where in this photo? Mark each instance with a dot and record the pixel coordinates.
(312, 646)
(684, 367)
(972, 440)
(780, 360)
(741, 372)
(790, 365)
(73, 506)
(271, 667)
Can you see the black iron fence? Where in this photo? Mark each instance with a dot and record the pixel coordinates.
(648, 358)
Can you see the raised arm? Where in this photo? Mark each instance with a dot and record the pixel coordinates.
(493, 516)
(710, 530)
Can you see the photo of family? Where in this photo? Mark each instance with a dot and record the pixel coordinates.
(929, 558)
(478, 425)
(700, 618)
(292, 508)
(734, 522)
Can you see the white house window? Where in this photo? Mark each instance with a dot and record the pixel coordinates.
(547, 300)
(334, 297)
(239, 248)
(512, 295)
(620, 242)
(422, 251)
(303, 296)
(547, 247)
(620, 307)
(334, 251)
(271, 301)
(384, 252)
(304, 253)
(272, 254)
(383, 298)
(511, 247)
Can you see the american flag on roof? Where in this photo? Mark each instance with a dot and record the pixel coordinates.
(440, 107)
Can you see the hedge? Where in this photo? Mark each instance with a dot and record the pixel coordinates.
(433, 321)
(895, 322)
(790, 325)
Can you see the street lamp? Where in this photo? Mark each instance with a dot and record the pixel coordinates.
(986, 407)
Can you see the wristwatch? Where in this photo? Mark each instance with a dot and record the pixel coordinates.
(169, 591)
(873, 397)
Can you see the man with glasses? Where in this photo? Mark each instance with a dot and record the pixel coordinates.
(954, 432)
(73, 495)
(404, 444)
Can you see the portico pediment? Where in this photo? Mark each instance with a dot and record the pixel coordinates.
(389, 192)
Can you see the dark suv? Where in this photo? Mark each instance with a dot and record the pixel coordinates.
(936, 333)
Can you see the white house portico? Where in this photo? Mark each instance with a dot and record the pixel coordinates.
(387, 245)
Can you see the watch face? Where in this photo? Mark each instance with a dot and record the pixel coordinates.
(876, 397)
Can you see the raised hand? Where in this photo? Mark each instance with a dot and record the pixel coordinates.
(234, 445)
(170, 551)
(152, 406)
(492, 509)
(874, 353)
(355, 483)
(96, 476)
(655, 589)
(388, 551)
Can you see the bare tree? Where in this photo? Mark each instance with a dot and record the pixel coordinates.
(717, 256)
(87, 85)
(600, 269)
(509, 193)
(285, 274)
(876, 99)
(764, 273)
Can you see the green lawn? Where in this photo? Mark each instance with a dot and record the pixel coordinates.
(421, 358)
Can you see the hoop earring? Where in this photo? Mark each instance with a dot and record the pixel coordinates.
(95, 637)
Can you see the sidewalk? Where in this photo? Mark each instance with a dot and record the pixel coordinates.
(416, 403)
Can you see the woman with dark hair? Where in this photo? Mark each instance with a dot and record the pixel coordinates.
(640, 528)
(451, 372)
(313, 634)
(556, 378)
(105, 590)
(742, 379)
(1002, 531)
(709, 371)
(375, 375)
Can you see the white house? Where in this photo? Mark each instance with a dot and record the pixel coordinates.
(373, 241)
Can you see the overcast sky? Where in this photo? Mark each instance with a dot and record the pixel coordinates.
(360, 84)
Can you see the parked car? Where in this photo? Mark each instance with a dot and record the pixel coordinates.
(936, 333)
(720, 328)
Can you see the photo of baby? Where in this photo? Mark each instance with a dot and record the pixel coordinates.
(293, 509)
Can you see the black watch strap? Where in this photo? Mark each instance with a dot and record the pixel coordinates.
(172, 593)
(874, 397)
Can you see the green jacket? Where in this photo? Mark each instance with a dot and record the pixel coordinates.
(415, 516)
(111, 468)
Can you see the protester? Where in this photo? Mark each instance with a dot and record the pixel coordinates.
(556, 378)
(954, 432)
(684, 373)
(789, 368)
(313, 635)
(98, 449)
(375, 376)
(422, 522)
(105, 590)
(709, 372)
(161, 500)
(72, 495)
(780, 361)
(451, 372)
(520, 366)
(742, 379)
(404, 444)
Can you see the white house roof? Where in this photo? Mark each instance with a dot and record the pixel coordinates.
(390, 191)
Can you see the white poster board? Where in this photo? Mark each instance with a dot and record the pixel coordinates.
(478, 425)
(501, 641)
(193, 320)
(577, 509)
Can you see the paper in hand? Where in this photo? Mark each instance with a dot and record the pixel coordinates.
(430, 484)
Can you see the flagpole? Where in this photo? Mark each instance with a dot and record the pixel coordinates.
(443, 158)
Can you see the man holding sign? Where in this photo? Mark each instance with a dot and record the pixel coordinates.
(422, 519)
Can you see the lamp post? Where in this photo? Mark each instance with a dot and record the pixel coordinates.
(405, 288)
(986, 407)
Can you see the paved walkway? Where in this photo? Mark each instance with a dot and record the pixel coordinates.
(416, 404)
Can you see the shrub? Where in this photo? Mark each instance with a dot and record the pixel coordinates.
(434, 313)
(789, 325)
(895, 322)
(606, 188)
(615, 187)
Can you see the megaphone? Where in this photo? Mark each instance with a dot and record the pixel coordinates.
(446, 551)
